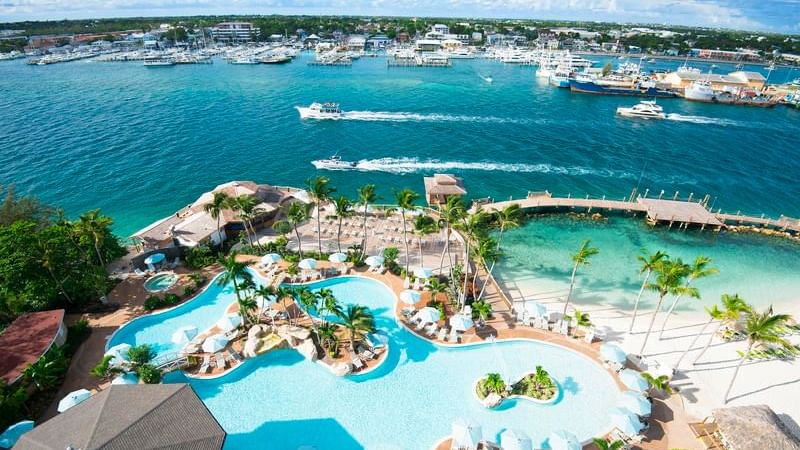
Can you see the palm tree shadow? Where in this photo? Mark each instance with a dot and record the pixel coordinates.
(765, 388)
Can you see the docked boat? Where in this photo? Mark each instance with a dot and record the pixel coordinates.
(275, 59)
(157, 61)
(642, 89)
(334, 163)
(699, 91)
(560, 78)
(244, 60)
(644, 110)
(320, 111)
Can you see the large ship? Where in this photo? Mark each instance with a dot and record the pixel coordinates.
(641, 89)
(320, 111)
(700, 91)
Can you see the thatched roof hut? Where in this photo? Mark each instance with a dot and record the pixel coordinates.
(441, 186)
(754, 427)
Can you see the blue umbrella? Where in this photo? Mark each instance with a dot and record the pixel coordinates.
(633, 380)
(564, 440)
(626, 422)
(612, 353)
(13, 433)
(155, 258)
(307, 264)
(635, 403)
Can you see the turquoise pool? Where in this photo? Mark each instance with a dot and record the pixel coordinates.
(281, 401)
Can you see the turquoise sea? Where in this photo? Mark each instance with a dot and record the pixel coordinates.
(141, 143)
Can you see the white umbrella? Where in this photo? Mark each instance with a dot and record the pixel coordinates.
(466, 434)
(118, 353)
(564, 440)
(126, 378)
(374, 261)
(72, 399)
(535, 309)
(612, 353)
(428, 314)
(410, 297)
(308, 264)
(633, 380)
(461, 322)
(423, 272)
(636, 403)
(515, 440)
(626, 422)
(184, 334)
(229, 322)
(215, 343)
(270, 258)
(337, 258)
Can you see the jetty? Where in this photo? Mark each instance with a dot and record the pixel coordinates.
(683, 213)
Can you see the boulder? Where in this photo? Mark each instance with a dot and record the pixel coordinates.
(251, 347)
(256, 331)
(307, 349)
(341, 369)
(492, 400)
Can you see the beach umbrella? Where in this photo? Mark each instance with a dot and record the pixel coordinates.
(423, 272)
(633, 380)
(270, 258)
(184, 334)
(126, 378)
(374, 261)
(337, 258)
(535, 309)
(612, 353)
(308, 264)
(636, 403)
(410, 297)
(13, 433)
(118, 353)
(155, 258)
(461, 322)
(626, 422)
(229, 322)
(564, 440)
(72, 399)
(515, 440)
(215, 343)
(428, 314)
(465, 434)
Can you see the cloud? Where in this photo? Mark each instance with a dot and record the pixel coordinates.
(744, 14)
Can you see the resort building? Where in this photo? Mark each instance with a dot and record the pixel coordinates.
(356, 43)
(441, 186)
(741, 79)
(441, 29)
(428, 45)
(740, 54)
(234, 32)
(379, 41)
(27, 339)
(131, 416)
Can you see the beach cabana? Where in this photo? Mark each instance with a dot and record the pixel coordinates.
(152, 260)
(14, 432)
(118, 353)
(410, 297)
(752, 427)
(229, 322)
(633, 380)
(215, 343)
(270, 259)
(626, 422)
(125, 378)
(466, 434)
(564, 440)
(308, 264)
(613, 353)
(461, 322)
(72, 399)
(512, 439)
(184, 334)
(636, 403)
(428, 315)
(374, 261)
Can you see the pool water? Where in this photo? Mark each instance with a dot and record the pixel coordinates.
(281, 401)
(160, 282)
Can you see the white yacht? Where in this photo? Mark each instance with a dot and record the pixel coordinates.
(320, 111)
(644, 110)
(700, 91)
(158, 61)
(245, 60)
(334, 163)
(462, 53)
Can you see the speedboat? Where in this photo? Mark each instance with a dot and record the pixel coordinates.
(157, 61)
(244, 60)
(644, 110)
(334, 163)
(275, 59)
(320, 111)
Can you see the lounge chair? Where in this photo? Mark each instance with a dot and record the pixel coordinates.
(363, 352)
(421, 325)
(454, 336)
(219, 359)
(442, 334)
(589, 336)
(357, 363)
(235, 355)
(432, 330)
(206, 365)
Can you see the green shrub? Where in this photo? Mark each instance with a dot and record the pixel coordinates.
(103, 369)
(149, 374)
(153, 302)
(140, 355)
(77, 333)
(12, 404)
(200, 256)
(188, 290)
(171, 299)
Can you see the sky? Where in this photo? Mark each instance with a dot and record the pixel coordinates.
(764, 15)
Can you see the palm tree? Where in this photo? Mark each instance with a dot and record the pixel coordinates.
(358, 320)
(235, 273)
(45, 373)
(507, 218)
(95, 226)
(282, 293)
(669, 281)
(46, 259)
(494, 383)
(405, 201)
(659, 383)
(603, 444)
(473, 226)
(266, 293)
(732, 308)
(366, 196)
(699, 269)
(450, 212)
(648, 265)
(481, 311)
(343, 208)
(328, 338)
(581, 258)
(296, 214)
(310, 302)
(423, 226)
(435, 287)
(218, 203)
(582, 319)
(329, 303)
(320, 191)
(486, 250)
(761, 328)
(246, 208)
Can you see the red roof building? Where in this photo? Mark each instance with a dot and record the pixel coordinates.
(28, 338)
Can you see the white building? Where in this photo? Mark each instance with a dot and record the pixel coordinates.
(234, 32)
(441, 29)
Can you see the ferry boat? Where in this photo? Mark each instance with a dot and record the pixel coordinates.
(320, 111)
(641, 89)
(334, 163)
(644, 110)
(157, 61)
(560, 78)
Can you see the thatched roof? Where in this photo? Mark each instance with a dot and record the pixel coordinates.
(754, 427)
(444, 184)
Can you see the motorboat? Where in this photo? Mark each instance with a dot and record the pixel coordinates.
(275, 59)
(320, 111)
(643, 110)
(244, 60)
(700, 91)
(157, 61)
(334, 163)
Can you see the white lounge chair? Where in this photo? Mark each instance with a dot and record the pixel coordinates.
(589, 336)
(432, 330)
(206, 365)
(219, 359)
(564, 328)
(442, 334)
(421, 325)
(139, 272)
(453, 336)
(357, 363)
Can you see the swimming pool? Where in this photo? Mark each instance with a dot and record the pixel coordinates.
(282, 401)
(160, 282)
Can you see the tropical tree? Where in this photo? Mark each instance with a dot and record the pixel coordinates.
(329, 304)
(310, 302)
(296, 214)
(423, 226)
(659, 383)
(47, 259)
(732, 308)
(46, 372)
(96, 227)
(218, 203)
(481, 310)
(669, 281)
(343, 208)
(648, 265)
(357, 320)
(699, 269)
(473, 227)
(267, 293)
(235, 273)
(761, 328)
(506, 219)
(320, 191)
(451, 212)
(247, 210)
(366, 197)
(436, 287)
(405, 201)
(328, 338)
(580, 258)
(494, 383)
(486, 250)
(581, 319)
(283, 293)
(603, 444)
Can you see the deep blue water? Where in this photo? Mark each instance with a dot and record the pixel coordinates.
(140, 143)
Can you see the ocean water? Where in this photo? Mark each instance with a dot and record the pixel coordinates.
(141, 143)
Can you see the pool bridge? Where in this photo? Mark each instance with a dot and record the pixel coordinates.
(170, 361)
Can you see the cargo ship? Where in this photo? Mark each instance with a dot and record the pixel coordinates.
(641, 89)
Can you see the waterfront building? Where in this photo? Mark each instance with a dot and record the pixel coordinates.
(234, 32)
(378, 41)
(681, 79)
(27, 339)
(441, 186)
(356, 43)
(740, 54)
(428, 45)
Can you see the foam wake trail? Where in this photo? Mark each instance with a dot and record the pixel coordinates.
(382, 116)
(702, 120)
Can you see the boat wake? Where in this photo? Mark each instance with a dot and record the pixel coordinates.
(380, 116)
(701, 120)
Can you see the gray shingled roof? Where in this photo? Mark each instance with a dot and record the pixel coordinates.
(144, 416)
(754, 427)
